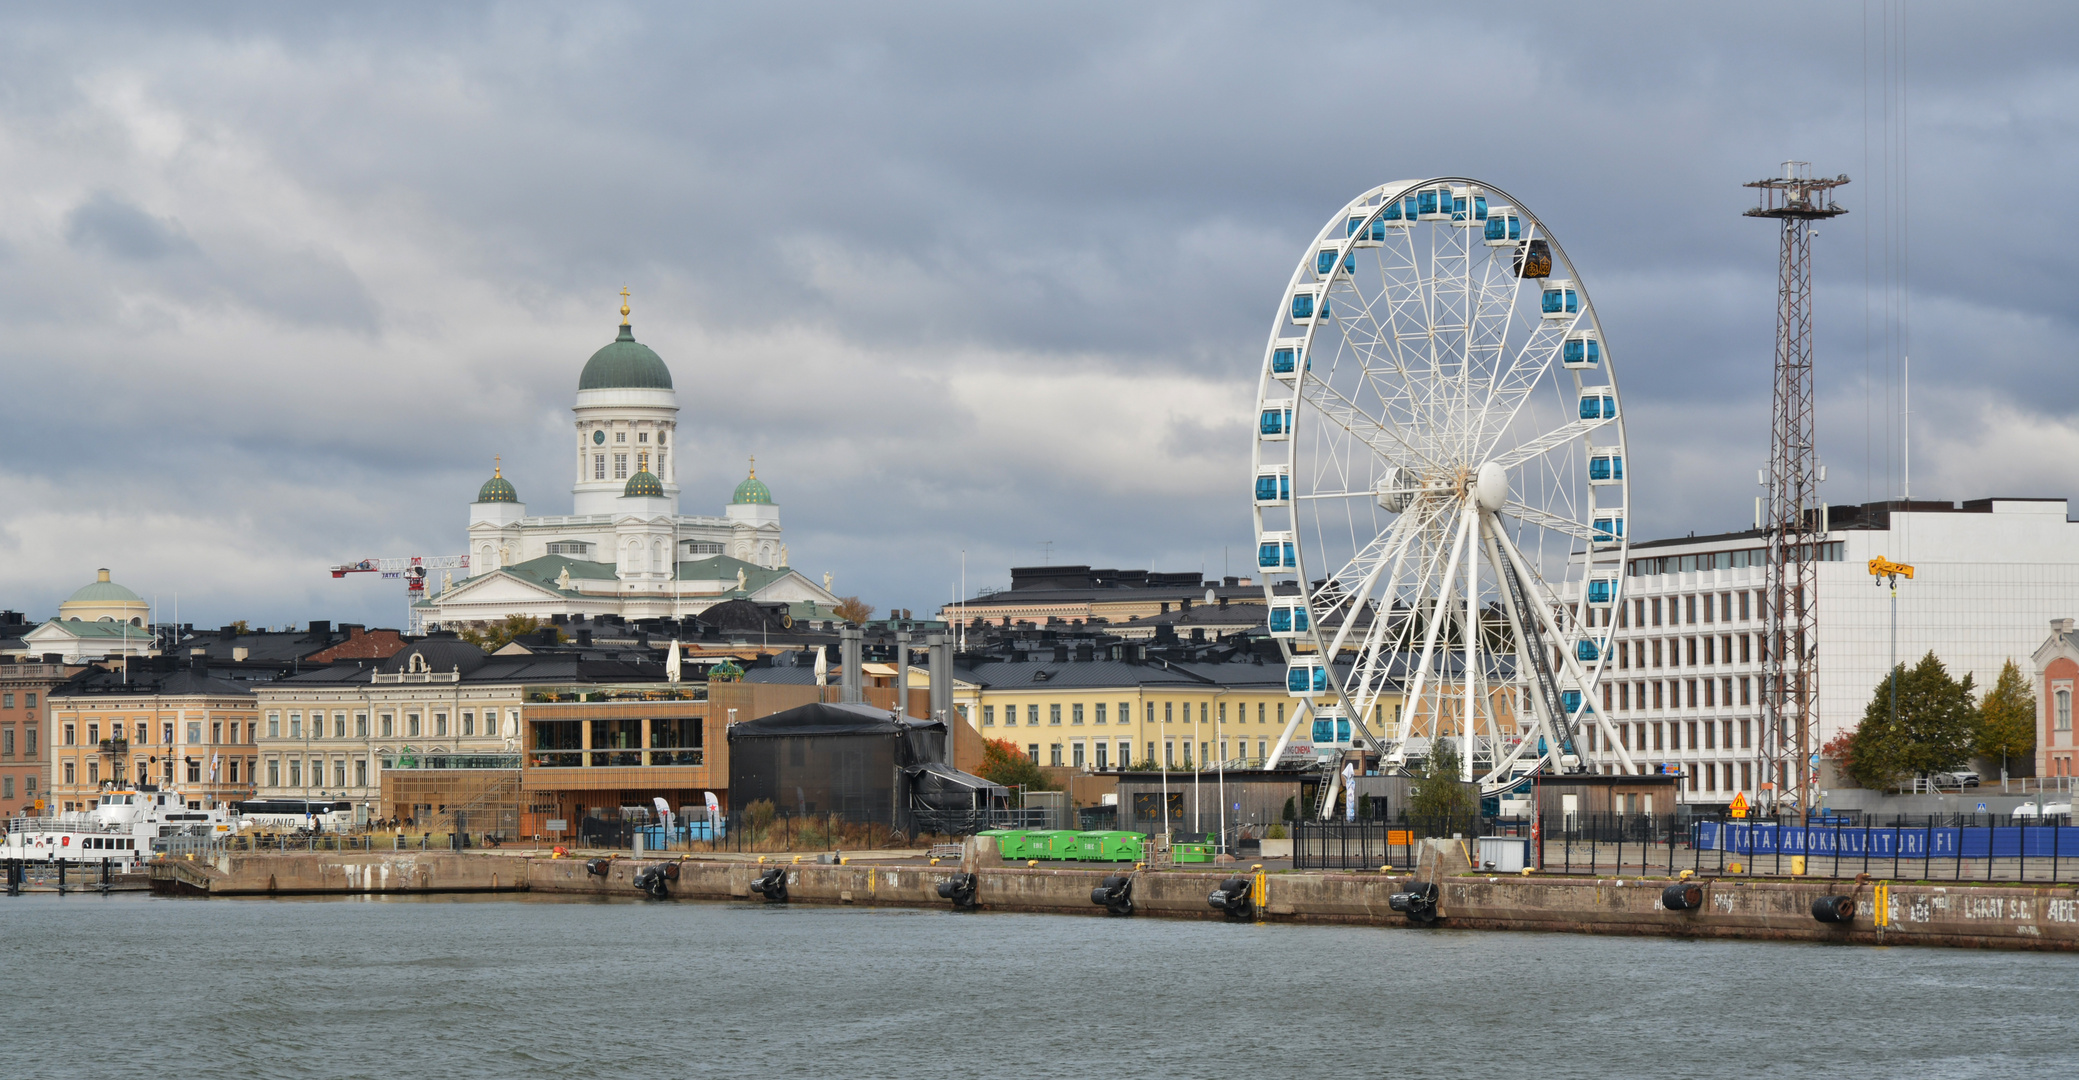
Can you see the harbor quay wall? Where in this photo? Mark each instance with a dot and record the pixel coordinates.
(1890, 913)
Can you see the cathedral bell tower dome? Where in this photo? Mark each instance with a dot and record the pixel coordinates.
(627, 420)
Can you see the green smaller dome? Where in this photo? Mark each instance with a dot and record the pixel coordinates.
(497, 489)
(643, 485)
(752, 492)
(103, 591)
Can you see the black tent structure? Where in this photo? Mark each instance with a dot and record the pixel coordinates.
(862, 764)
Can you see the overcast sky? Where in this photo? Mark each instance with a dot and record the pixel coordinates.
(277, 281)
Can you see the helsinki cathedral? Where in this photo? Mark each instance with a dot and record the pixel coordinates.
(624, 549)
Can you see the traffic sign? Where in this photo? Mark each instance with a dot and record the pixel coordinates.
(1981, 808)
(1739, 805)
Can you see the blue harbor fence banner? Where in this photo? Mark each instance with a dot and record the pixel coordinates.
(1889, 841)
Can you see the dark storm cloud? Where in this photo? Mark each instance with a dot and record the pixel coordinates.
(961, 277)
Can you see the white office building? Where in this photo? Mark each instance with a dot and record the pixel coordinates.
(1684, 684)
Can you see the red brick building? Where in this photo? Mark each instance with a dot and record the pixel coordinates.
(25, 769)
(2057, 672)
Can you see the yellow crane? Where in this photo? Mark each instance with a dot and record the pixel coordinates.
(1883, 571)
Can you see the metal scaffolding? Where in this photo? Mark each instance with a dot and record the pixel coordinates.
(1793, 514)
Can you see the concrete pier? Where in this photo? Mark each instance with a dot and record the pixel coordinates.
(1895, 913)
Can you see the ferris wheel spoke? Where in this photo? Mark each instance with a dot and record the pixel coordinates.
(1547, 520)
(1546, 443)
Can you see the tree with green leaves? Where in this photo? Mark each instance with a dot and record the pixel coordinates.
(1438, 792)
(2007, 718)
(1919, 720)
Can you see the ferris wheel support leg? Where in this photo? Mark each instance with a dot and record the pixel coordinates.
(1404, 534)
(1468, 718)
(1285, 739)
(1540, 709)
(1568, 664)
(1429, 647)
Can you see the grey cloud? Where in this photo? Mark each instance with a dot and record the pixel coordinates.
(830, 212)
(110, 225)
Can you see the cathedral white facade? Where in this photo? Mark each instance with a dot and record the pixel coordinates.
(624, 548)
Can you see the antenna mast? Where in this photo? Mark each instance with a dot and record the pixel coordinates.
(1790, 719)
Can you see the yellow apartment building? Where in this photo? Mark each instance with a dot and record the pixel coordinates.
(153, 723)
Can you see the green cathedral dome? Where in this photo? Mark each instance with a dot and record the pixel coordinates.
(497, 489)
(644, 485)
(752, 492)
(625, 363)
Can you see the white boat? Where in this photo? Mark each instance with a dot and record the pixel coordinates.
(119, 828)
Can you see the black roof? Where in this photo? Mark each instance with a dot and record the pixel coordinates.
(150, 679)
(832, 718)
(500, 669)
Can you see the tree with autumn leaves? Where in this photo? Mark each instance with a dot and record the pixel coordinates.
(1003, 763)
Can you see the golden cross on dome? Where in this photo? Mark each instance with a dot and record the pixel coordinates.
(754, 467)
(624, 305)
(497, 466)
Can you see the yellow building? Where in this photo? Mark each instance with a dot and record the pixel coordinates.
(1111, 714)
(179, 729)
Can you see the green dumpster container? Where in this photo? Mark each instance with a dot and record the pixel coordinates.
(1010, 843)
(1111, 845)
(1184, 853)
(1056, 844)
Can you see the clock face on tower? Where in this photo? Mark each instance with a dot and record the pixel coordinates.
(598, 437)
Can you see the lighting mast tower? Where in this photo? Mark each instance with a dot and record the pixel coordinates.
(1792, 513)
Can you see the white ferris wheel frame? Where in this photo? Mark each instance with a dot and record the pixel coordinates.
(1562, 618)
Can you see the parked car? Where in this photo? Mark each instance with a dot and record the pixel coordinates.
(1960, 779)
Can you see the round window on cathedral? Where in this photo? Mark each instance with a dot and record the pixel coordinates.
(598, 437)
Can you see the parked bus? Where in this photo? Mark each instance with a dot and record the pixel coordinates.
(312, 815)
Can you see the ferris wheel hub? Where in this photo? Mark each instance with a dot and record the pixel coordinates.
(1491, 486)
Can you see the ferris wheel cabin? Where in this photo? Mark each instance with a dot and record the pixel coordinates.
(1589, 650)
(1606, 528)
(1503, 227)
(1331, 726)
(1560, 300)
(1324, 262)
(1372, 235)
(1468, 205)
(1597, 403)
(1285, 358)
(1602, 590)
(1275, 551)
(1274, 485)
(1582, 351)
(1275, 425)
(1605, 467)
(1308, 305)
(1307, 677)
(1534, 259)
(1289, 619)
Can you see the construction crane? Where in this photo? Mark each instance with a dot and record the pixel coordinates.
(413, 569)
(1885, 572)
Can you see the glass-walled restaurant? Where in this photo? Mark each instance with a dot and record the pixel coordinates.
(598, 759)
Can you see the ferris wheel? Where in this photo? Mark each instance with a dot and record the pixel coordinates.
(1440, 490)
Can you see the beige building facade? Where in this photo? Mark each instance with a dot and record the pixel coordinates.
(181, 730)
